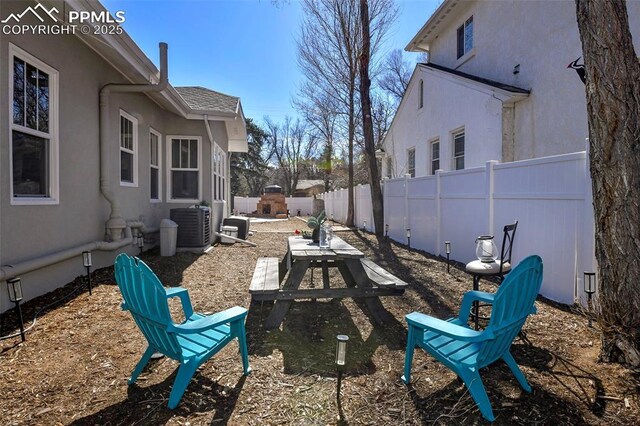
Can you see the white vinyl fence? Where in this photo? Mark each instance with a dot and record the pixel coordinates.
(249, 205)
(550, 198)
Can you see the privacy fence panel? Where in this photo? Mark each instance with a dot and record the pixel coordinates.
(550, 197)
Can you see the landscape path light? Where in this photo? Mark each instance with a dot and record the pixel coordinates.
(447, 249)
(589, 288)
(86, 261)
(14, 286)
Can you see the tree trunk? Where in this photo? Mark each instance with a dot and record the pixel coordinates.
(613, 104)
(367, 122)
(352, 134)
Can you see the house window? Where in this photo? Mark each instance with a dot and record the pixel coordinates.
(421, 95)
(389, 167)
(465, 37)
(435, 156)
(33, 86)
(128, 150)
(184, 174)
(458, 151)
(411, 162)
(219, 173)
(154, 165)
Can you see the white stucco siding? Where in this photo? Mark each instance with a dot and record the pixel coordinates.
(542, 37)
(449, 105)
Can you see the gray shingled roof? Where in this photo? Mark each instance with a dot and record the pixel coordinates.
(201, 98)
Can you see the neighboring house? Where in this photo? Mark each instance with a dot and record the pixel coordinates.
(496, 87)
(96, 147)
(309, 187)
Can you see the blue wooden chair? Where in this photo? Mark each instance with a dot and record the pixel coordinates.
(191, 343)
(466, 351)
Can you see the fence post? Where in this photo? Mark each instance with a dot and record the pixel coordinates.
(438, 248)
(489, 187)
(407, 219)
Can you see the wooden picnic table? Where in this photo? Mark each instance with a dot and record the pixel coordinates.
(280, 281)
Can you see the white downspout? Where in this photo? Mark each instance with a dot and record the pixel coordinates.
(116, 223)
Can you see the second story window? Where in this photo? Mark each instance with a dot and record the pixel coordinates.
(458, 151)
(435, 156)
(411, 162)
(128, 150)
(465, 37)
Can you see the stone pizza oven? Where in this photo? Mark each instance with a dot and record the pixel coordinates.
(272, 202)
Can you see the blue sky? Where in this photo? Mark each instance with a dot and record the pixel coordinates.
(245, 48)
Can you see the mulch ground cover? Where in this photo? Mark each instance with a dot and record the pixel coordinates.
(74, 366)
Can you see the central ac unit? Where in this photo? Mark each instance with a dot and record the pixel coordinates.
(194, 229)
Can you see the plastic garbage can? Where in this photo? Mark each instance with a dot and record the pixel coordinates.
(231, 231)
(168, 237)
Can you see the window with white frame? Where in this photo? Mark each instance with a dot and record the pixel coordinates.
(465, 37)
(219, 173)
(458, 151)
(128, 149)
(184, 171)
(435, 156)
(33, 87)
(389, 167)
(411, 162)
(155, 182)
(421, 95)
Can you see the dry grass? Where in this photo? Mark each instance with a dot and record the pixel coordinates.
(74, 366)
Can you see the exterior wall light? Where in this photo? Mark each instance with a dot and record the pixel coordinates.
(14, 286)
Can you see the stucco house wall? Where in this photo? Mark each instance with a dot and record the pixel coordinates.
(450, 105)
(79, 216)
(542, 37)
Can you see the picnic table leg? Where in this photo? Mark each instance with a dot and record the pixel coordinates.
(325, 274)
(359, 277)
(280, 307)
(283, 267)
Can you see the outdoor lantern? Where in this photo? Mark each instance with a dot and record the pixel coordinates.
(409, 237)
(447, 249)
(14, 286)
(341, 350)
(589, 282)
(486, 249)
(86, 261)
(386, 230)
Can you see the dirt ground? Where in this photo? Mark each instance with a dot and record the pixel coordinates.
(74, 366)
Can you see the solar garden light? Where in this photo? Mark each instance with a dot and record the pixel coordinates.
(589, 288)
(341, 357)
(332, 217)
(141, 243)
(447, 249)
(409, 237)
(364, 225)
(14, 286)
(86, 261)
(386, 230)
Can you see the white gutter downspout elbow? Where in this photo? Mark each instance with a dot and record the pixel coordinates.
(116, 224)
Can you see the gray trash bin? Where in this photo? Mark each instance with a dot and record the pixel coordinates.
(168, 237)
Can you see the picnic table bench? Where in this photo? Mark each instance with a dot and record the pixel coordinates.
(363, 278)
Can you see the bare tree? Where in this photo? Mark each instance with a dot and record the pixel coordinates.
(367, 121)
(291, 146)
(613, 104)
(395, 76)
(320, 112)
(328, 56)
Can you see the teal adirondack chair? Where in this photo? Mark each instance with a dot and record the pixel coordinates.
(466, 351)
(191, 343)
